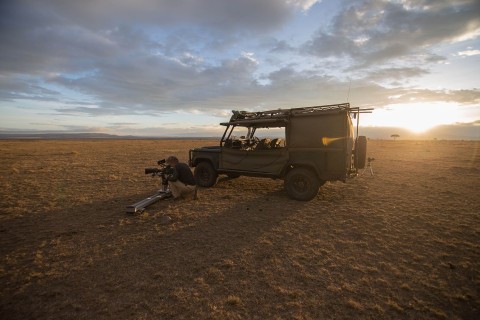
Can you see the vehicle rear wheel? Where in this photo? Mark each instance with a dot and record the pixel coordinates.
(205, 174)
(302, 184)
(360, 158)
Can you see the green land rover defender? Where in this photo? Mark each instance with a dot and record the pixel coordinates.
(303, 146)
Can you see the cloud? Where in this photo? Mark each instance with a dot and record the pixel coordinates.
(217, 14)
(374, 31)
(18, 87)
(151, 84)
(281, 46)
(304, 4)
(109, 51)
(158, 85)
(150, 57)
(469, 53)
(396, 73)
(41, 37)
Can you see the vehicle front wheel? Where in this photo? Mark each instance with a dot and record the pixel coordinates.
(302, 184)
(205, 174)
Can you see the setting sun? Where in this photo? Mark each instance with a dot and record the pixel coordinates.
(416, 117)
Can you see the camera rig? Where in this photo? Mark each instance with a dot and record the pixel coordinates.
(162, 171)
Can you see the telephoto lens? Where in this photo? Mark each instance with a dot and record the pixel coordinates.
(151, 170)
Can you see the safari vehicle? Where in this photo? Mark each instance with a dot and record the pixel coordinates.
(304, 146)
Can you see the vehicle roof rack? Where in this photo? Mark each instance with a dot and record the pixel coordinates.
(283, 114)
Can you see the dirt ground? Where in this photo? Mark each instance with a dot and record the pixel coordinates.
(403, 243)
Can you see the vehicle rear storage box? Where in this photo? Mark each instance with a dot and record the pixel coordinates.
(323, 138)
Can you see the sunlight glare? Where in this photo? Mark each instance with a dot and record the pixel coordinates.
(416, 117)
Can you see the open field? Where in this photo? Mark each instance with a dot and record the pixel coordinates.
(404, 243)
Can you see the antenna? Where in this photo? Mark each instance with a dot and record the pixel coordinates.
(348, 94)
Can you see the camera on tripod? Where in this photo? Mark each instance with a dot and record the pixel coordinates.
(162, 171)
(158, 171)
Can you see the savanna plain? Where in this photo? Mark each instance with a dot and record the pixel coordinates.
(403, 243)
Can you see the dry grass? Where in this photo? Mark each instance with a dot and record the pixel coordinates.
(401, 244)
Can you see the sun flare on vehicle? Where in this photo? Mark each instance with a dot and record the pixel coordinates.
(327, 140)
(416, 117)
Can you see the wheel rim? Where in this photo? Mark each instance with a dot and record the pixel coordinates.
(300, 184)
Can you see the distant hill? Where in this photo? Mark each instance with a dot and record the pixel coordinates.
(61, 136)
(86, 136)
(446, 132)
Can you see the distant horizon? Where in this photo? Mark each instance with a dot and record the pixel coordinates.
(470, 131)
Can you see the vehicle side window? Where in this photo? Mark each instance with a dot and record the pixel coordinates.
(269, 138)
(247, 139)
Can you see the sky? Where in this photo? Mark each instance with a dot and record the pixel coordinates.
(178, 67)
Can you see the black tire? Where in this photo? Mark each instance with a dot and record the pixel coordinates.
(232, 175)
(302, 184)
(205, 174)
(360, 158)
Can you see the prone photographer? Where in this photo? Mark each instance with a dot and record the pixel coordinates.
(180, 179)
